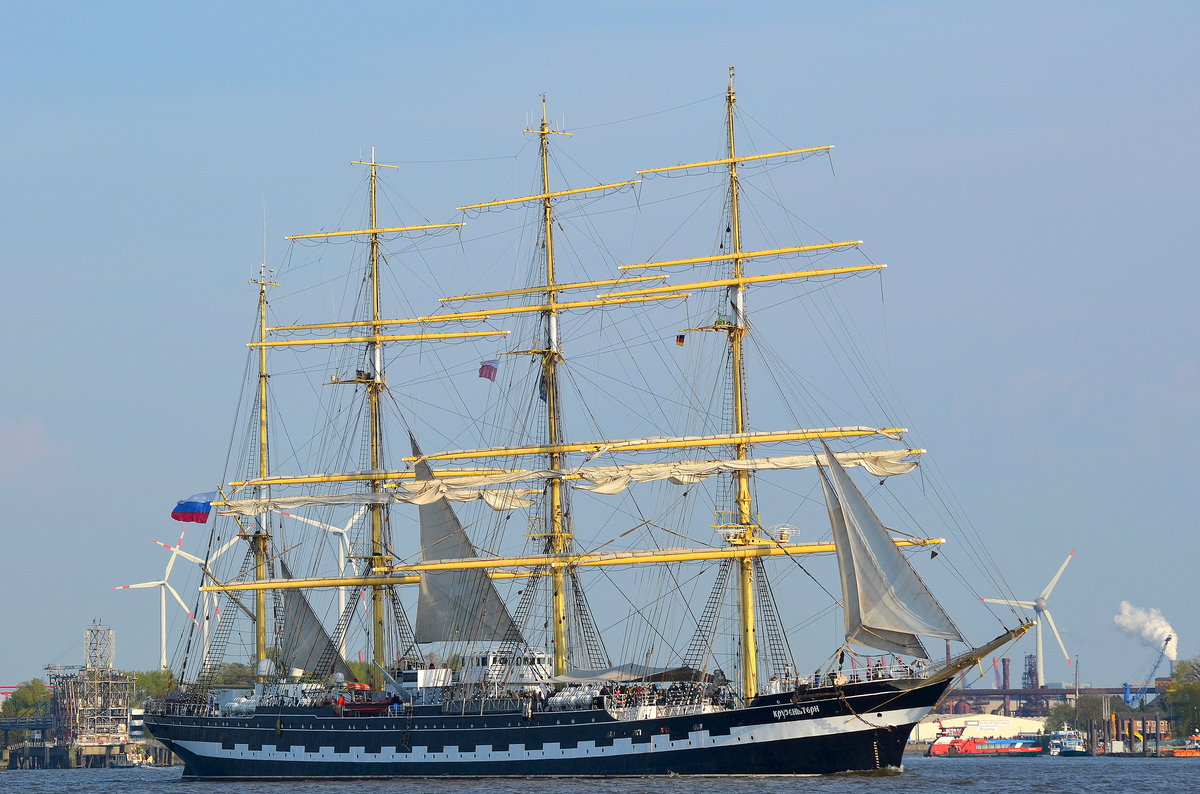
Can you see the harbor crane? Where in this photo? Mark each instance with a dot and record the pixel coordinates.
(1138, 698)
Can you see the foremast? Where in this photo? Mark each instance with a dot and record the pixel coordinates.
(739, 527)
(746, 528)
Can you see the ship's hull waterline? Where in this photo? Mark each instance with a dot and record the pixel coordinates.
(857, 728)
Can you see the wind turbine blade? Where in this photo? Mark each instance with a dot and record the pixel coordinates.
(179, 551)
(180, 600)
(170, 562)
(136, 586)
(1050, 620)
(1024, 604)
(354, 518)
(306, 520)
(343, 531)
(229, 544)
(176, 549)
(1054, 581)
(346, 538)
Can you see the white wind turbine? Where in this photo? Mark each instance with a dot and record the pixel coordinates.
(163, 586)
(343, 551)
(205, 571)
(1040, 610)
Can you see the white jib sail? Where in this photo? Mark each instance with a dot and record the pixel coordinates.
(886, 603)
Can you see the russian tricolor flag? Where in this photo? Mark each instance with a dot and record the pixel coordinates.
(195, 508)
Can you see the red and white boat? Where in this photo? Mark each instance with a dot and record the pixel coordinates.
(949, 743)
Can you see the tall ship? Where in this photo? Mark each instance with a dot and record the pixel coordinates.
(522, 533)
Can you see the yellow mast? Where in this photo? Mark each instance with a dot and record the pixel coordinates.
(375, 386)
(558, 529)
(260, 537)
(744, 517)
(373, 380)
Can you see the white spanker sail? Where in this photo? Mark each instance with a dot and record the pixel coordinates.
(887, 605)
(454, 605)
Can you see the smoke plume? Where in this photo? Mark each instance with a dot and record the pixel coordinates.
(1147, 626)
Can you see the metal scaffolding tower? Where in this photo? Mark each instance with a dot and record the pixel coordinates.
(91, 703)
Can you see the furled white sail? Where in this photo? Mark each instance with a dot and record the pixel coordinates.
(596, 479)
(305, 641)
(495, 498)
(454, 605)
(886, 603)
(614, 479)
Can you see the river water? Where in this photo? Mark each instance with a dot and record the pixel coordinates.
(1039, 775)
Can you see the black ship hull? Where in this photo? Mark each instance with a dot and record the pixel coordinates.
(858, 727)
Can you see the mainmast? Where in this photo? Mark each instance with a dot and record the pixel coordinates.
(261, 536)
(373, 381)
(557, 525)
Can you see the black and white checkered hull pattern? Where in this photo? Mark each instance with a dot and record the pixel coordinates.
(859, 727)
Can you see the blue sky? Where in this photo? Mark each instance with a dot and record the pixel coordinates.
(1027, 170)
